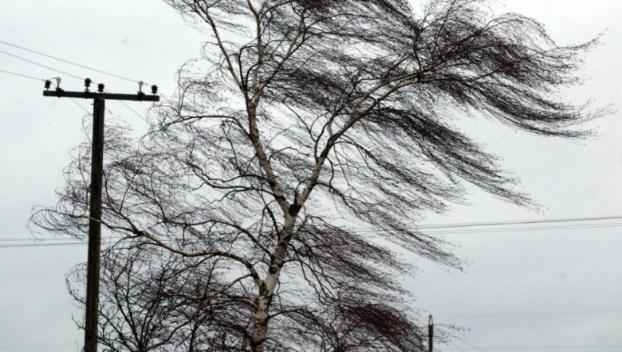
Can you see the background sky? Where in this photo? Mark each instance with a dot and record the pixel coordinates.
(533, 288)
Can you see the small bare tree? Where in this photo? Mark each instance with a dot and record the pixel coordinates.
(303, 146)
(140, 300)
(154, 301)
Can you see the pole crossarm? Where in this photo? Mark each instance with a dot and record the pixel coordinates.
(103, 96)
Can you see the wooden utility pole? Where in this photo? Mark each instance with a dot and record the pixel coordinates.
(430, 334)
(95, 201)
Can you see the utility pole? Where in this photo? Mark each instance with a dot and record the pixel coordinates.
(95, 201)
(430, 334)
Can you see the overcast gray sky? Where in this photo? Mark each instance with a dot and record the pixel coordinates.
(521, 289)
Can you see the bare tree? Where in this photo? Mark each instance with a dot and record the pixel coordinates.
(297, 153)
(154, 301)
(137, 301)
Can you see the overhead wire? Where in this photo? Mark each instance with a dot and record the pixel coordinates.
(471, 346)
(67, 73)
(26, 245)
(42, 80)
(70, 62)
(41, 65)
(36, 347)
(454, 347)
(523, 222)
(77, 103)
(132, 110)
(43, 240)
(509, 222)
(127, 106)
(56, 242)
(472, 231)
(524, 228)
(75, 64)
(81, 106)
(21, 75)
(543, 347)
(521, 348)
(528, 314)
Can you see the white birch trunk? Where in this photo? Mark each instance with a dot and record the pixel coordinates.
(266, 290)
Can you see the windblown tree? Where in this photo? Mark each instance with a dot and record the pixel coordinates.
(307, 127)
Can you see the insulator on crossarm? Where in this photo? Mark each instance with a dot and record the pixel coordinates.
(100, 87)
(154, 89)
(87, 84)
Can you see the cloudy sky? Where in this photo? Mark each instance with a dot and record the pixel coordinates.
(532, 288)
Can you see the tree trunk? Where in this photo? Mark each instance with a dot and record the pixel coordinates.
(266, 290)
(260, 325)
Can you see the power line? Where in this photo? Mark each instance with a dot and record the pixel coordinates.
(471, 346)
(523, 348)
(77, 103)
(33, 239)
(81, 106)
(70, 62)
(552, 221)
(530, 314)
(524, 229)
(72, 75)
(133, 111)
(41, 65)
(454, 347)
(520, 222)
(38, 347)
(472, 231)
(72, 99)
(34, 348)
(21, 75)
(41, 79)
(25, 245)
(63, 72)
(435, 233)
(128, 107)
